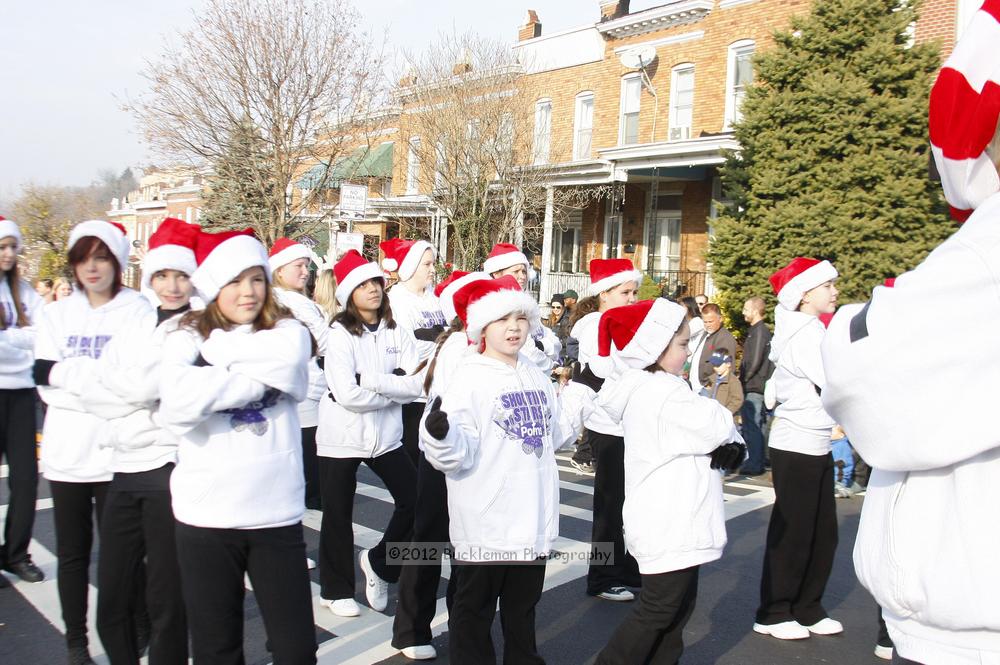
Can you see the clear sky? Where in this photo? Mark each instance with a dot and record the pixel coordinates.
(66, 66)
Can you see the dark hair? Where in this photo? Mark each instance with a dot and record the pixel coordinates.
(83, 249)
(46, 281)
(455, 327)
(20, 316)
(711, 308)
(350, 317)
(692, 307)
(588, 305)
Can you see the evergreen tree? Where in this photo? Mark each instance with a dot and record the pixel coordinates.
(239, 189)
(835, 155)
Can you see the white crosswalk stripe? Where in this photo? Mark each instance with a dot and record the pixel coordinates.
(366, 639)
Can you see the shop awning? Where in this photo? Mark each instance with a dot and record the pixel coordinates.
(364, 162)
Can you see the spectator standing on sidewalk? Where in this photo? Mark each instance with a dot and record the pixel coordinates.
(717, 339)
(755, 370)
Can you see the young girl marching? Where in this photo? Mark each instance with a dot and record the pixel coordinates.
(138, 522)
(613, 283)
(367, 359)
(418, 584)
(289, 265)
(232, 377)
(802, 534)
(73, 332)
(675, 441)
(493, 433)
(20, 308)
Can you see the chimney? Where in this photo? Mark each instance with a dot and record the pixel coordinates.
(612, 9)
(532, 27)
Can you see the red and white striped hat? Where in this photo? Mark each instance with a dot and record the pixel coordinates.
(286, 250)
(608, 273)
(111, 234)
(800, 275)
(481, 302)
(403, 256)
(446, 290)
(351, 271)
(171, 247)
(10, 229)
(223, 256)
(964, 109)
(639, 333)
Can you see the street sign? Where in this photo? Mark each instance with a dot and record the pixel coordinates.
(353, 198)
(348, 241)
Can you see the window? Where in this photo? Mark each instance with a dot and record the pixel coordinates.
(738, 78)
(413, 166)
(543, 131)
(681, 102)
(584, 124)
(505, 144)
(665, 241)
(612, 236)
(566, 243)
(440, 164)
(628, 131)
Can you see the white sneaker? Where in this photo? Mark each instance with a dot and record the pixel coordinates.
(883, 652)
(376, 589)
(310, 564)
(826, 626)
(786, 630)
(342, 607)
(420, 652)
(617, 593)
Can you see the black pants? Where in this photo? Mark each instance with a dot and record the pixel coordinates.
(609, 497)
(653, 633)
(17, 444)
(213, 562)
(584, 453)
(138, 523)
(73, 508)
(418, 582)
(412, 413)
(310, 468)
(519, 588)
(338, 482)
(801, 539)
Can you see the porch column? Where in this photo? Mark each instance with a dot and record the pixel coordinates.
(545, 291)
(442, 236)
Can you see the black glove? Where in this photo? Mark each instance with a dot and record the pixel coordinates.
(357, 379)
(539, 345)
(399, 371)
(728, 456)
(321, 361)
(428, 334)
(436, 423)
(40, 372)
(200, 361)
(583, 374)
(332, 398)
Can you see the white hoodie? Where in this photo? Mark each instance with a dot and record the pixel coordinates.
(239, 460)
(17, 345)
(357, 421)
(73, 333)
(919, 410)
(547, 357)
(585, 332)
(414, 311)
(798, 372)
(499, 459)
(673, 512)
(309, 313)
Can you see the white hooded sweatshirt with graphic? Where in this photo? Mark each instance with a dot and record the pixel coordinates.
(17, 344)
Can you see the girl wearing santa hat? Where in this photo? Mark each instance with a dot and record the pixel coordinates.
(138, 523)
(675, 444)
(493, 433)
(20, 307)
(411, 627)
(416, 310)
(288, 262)
(232, 376)
(76, 452)
(366, 364)
(613, 283)
(802, 534)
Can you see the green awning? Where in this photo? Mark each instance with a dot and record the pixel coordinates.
(362, 163)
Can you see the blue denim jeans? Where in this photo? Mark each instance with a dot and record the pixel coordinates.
(753, 415)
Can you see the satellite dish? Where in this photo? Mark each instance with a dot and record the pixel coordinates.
(638, 57)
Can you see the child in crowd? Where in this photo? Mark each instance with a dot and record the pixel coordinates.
(232, 377)
(725, 389)
(843, 462)
(676, 442)
(493, 432)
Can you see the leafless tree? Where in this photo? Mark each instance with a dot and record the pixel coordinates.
(286, 68)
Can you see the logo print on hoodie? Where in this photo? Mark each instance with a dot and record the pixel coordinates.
(251, 415)
(433, 318)
(85, 345)
(524, 416)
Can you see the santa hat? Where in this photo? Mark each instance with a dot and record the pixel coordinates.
(639, 333)
(403, 256)
(801, 275)
(171, 247)
(351, 271)
(111, 234)
(286, 250)
(964, 109)
(222, 257)
(505, 255)
(608, 273)
(483, 301)
(10, 229)
(446, 290)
